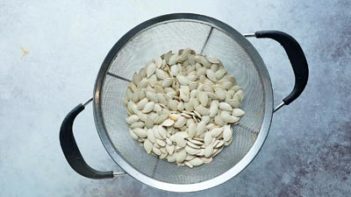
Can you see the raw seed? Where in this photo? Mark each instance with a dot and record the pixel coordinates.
(180, 106)
(131, 119)
(156, 151)
(238, 112)
(148, 146)
(170, 149)
(227, 133)
(208, 151)
(137, 125)
(196, 161)
(180, 156)
(134, 136)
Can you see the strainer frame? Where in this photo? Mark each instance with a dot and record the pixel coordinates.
(250, 155)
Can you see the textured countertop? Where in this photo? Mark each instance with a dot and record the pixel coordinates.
(50, 53)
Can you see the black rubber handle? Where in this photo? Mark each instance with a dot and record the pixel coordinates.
(297, 59)
(71, 150)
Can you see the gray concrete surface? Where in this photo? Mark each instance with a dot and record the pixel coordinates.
(51, 51)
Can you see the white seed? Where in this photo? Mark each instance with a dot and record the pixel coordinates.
(151, 136)
(220, 73)
(162, 117)
(180, 156)
(151, 96)
(151, 68)
(149, 122)
(179, 139)
(148, 146)
(173, 59)
(208, 151)
(227, 133)
(239, 94)
(161, 74)
(203, 98)
(202, 60)
(131, 119)
(215, 132)
(192, 130)
(225, 106)
(211, 75)
(180, 122)
(214, 67)
(202, 110)
(235, 102)
(220, 93)
(226, 117)
(156, 132)
(167, 82)
(156, 150)
(206, 87)
(227, 84)
(140, 132)
(196, 162)
(163, 155)
(171, 158)
(157, 108)
(132, 107)
(184, 93)
(208, 138)
(191, 151)
(213, 108)
(168, 123)
(192, 145)
(180, 106)
(162, 131)
(170, 149)
(168, 141)
(172, 104)
(238, 112)
(137, 125)
(183, 80)
(187, 163)
(201, 127)
(205, 119)
(161, 99)
(160, 142)
(174, 70)
(211, 126)
(134, 136)
(148, 107)
(219, 121)
(219, 144)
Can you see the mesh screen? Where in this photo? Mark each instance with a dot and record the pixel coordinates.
(154, 41)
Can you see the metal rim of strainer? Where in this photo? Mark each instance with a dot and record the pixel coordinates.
(250, 155)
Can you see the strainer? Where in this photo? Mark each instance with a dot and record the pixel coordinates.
(207, 36)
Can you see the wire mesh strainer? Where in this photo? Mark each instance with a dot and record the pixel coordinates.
(209, 37)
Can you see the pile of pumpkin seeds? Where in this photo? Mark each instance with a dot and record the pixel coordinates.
(181, 107)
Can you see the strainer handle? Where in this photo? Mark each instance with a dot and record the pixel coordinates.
(297, 59)
(71, 150)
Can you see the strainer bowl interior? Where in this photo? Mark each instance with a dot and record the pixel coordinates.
(207, 36)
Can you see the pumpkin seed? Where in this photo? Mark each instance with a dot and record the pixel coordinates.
(148, 146)
(238, 112)
(180, 106)
(227, 133)
(131, 119)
